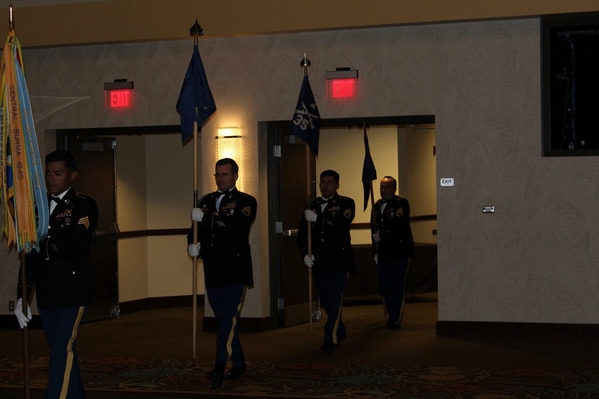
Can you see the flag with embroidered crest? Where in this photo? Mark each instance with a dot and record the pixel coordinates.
(306, 118)
(23, 200)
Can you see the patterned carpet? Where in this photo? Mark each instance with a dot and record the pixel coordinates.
(164, 378)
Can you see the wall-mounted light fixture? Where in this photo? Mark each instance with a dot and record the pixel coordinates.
(342, 84)
(228, 145)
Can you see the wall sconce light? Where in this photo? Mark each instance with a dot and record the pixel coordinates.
(228, 145)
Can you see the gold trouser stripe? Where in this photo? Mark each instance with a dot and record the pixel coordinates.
(232, 332)
(335, 341)
(70, 355)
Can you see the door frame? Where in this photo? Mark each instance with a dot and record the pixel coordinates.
(63, 136)
(274, 208)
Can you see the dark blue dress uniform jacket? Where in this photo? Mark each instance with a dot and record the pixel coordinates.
(61, 269)
(331, 240)
(393, 225)
(224, 238)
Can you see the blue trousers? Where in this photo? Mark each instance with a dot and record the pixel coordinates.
(330, 287)
(392, 286)
(226, 302)
(60, 328)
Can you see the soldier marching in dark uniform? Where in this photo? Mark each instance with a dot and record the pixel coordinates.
(332, 258)
(62, 274)
(393, 246)
(224, 221)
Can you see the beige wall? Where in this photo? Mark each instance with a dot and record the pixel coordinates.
(534, 260)
(419, 181)
(132, 215)
(169, 182)
(154, 186)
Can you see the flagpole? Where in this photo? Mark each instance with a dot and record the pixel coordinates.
(306, 125)
(195, 106)
(25, 301)
(305, 63)
(25, 329)
(372, 210)
(309, 231)
(376, 246)
(195, 241)
(195, 31)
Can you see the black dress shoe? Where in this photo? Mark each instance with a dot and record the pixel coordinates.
(216, 378)
(235, 372)
(328, 347)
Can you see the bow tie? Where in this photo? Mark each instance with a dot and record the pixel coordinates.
(55, 199)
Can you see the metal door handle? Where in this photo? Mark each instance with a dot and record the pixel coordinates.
(289, 233)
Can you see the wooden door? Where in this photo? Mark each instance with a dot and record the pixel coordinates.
(96, 177)
(291, 180)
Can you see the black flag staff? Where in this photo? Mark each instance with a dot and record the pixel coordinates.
(305, 63)
(371, 171)
(195, 31)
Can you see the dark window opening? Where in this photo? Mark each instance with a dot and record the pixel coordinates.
(570, 85)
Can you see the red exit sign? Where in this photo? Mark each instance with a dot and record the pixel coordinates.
(118, 99)
(342, 84)
(342, 88)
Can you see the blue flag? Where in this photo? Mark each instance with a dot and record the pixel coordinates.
(306, 119)
(368, 170)
(195, 101)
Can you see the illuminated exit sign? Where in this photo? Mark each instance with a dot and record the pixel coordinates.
(118, 94)
(342, 88)
(118, 99)
(342, 84)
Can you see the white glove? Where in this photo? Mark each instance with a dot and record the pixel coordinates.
(309, 260)
(376, 259)
(310, 215)
(197, 214)
(193, 249)
(23, 320)
(376, 237)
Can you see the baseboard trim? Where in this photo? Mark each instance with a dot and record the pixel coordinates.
(522, 330)
(166, 302)
(250, 324)
(138, 305)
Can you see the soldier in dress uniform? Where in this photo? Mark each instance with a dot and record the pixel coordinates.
(224, 219)
(62, 274)
(332, 258)
(393, 245)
